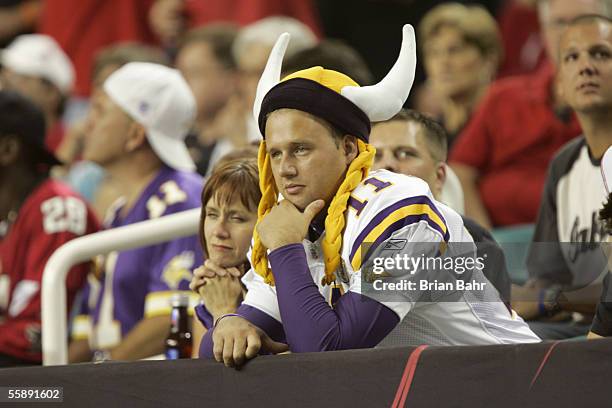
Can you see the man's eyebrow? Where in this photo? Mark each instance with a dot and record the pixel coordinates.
(291, 144)
(406, 147)
(305, 143)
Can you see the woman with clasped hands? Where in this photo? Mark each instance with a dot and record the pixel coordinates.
(229, 212)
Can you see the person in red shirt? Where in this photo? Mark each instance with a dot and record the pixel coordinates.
(502, 156)
(522, 43)
(37, 215)
(170, 19)
(83, 27)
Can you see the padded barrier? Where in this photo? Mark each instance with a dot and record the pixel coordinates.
(569, 374)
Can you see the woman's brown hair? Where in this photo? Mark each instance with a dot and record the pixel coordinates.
(236, 177)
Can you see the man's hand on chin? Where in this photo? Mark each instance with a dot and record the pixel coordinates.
(285, 224)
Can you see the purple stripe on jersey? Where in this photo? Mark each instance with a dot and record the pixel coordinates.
(393, 207)
(411, 219)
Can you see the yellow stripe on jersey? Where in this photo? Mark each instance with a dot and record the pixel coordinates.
(395, 216)
(158, 303)
(81, 327)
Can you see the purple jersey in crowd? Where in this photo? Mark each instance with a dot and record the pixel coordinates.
(142, 279)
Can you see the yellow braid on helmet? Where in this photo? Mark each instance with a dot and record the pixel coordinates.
(269, 197)
(335, 221)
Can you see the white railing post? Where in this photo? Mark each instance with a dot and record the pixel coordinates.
(54, 326)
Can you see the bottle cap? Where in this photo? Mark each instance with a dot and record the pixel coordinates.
(179, 300)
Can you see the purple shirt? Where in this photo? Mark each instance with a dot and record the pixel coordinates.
(144, 279)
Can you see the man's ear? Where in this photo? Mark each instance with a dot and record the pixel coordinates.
(9, 150)
(440, 176)
(441, 172)
(137, 137)
(349, 144)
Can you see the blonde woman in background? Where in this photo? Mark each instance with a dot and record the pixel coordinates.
(461, 46)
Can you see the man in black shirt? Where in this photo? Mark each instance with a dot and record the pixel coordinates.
(413, 144)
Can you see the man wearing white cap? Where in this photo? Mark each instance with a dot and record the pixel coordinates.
(36, 66)
(136, 132)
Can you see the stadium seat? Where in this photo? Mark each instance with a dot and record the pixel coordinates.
(515, 242)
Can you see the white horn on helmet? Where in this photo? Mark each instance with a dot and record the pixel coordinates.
(386, 98)
(271, 74)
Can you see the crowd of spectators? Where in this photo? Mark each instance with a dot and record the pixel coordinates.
(114, 113)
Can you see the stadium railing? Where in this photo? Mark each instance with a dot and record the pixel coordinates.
(54, 315)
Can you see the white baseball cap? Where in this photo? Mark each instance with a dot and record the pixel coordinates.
(40, 56)
(158, 98)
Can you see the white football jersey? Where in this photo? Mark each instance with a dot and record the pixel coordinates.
(391, 215)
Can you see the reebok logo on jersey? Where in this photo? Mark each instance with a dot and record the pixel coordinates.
(395, 244)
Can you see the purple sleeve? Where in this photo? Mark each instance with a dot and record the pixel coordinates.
(310, 323)
(204, 316)
(256, 317)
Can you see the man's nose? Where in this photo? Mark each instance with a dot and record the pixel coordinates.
(384, 161)
(587, 66)
(287, 167)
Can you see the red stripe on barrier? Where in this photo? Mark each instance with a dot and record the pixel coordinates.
(407, 376)
(544, 361)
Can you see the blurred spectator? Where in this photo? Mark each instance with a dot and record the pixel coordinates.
(565, 258)
(107, 61)
(37, 216)
(251, 49)
(411, 143)
(35, 66)
(87, 177)
(17, 17)
(331, 54)
(138, 125)
(371, 27)
(462, 49)
(206, 61)
(83, 27)
(229, 212)
(522, 43)
(169, 19)
(245, 152)
(504, 151)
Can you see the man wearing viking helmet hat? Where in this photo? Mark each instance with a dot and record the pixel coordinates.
(335, 221)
